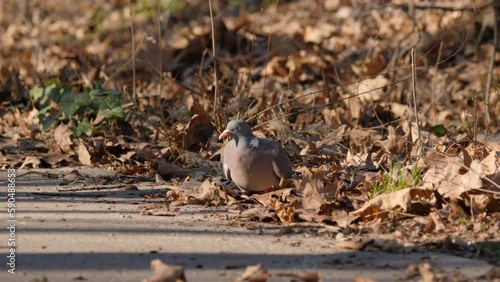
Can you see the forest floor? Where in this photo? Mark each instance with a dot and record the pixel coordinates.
(104, 235)
(388, 110)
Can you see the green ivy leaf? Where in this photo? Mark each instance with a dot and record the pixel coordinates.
(36, 93)
(42, 95)
(107, 99)
(116, 112)
(71, 102)
(462, 127)
(439, 130)
(83, 127)
(97, 102)
(54, 81)
(48, 117)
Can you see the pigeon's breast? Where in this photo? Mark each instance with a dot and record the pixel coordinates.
(252, 169)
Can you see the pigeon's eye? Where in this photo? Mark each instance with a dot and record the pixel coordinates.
(238, 127)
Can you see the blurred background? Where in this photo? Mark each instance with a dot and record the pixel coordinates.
(145, 69)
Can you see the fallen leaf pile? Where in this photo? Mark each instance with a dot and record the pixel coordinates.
(331, 80)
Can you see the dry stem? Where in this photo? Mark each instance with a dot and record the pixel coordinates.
(132, 32)
(217, 113)
(414, 93)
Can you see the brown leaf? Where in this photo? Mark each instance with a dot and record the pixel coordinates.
(372, 87)
(363, 279)
(342, 218)
(490, 168)
(437, 223)
(285, 133)
(426, 272)
(165, 272)
(33, 161)
(254, 273)
(355, 244)
(235, 23)
(83, 154)
(71, 176)
(168, 171)
(452, 182)
(305, 276)
(310, 149)
(259, 213)
(395, 144)
(310, 215)
(385, 243)
(54, 160)
(285, 212)
(317, 34)
(210, 192)
(198, 130)
(177, 40)
(484, 202)
(266, 198)
(311, 184)
(437, 159)
(62, 136)
(401, 200)
(158, 212)
(355, 108)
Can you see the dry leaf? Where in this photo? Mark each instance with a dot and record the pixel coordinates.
(385, 243)
(168, 171)
(254, 273)
(317, 34)
(62, 136)
(198, 130)
(165, 272)
(285, 212)
(401, 200)
(372, 87)
(437, 223)
(33, 161)
(452, 182)
(355, 244)
(209, 191)
(267, 198)
(484, 202)
(395, 144)
(158, 212)
(71, 176)
(307, 276)
(262, 214)
(440, 160)
(83, 154)
(426, 272)
(363, 279)
(310, 186)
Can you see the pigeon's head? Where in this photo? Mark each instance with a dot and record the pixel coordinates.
(237, 129)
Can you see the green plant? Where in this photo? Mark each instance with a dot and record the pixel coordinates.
(58, 102)
(148, 8)
(397, 178)
(416, 172)
(492, 247)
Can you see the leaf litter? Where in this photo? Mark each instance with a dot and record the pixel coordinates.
(333, 89)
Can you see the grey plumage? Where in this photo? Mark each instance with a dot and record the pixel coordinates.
(252, 163)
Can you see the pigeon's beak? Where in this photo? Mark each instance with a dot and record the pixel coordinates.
(224, 134)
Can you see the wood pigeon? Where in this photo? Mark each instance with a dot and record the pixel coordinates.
(253, 164)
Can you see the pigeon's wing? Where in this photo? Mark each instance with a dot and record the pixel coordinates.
(282, 166)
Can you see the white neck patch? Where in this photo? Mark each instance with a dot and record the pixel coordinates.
(254, 143)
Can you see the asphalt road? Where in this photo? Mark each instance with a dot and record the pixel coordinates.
(102, 236)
